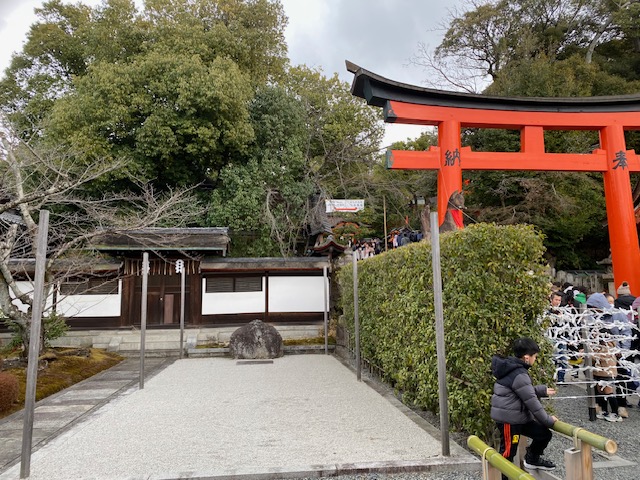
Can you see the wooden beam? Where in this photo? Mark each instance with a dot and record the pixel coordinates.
(414, 114)
(414, 160)
(470, 160)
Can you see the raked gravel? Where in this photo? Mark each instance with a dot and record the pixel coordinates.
(223, 428)
(203, 417)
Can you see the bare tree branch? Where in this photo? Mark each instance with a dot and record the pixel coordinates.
(36, 178)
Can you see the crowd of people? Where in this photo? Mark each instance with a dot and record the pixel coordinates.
(369, 247)
(596, 334)
(366, 248)
(604, 328)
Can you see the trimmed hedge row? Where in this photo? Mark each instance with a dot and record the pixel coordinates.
(494, 290)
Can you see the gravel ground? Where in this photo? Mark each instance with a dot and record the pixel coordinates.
(310, 411)
(570, 405)
(101, 447)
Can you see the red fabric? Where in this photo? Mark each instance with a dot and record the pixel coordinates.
(457, 217)
(507, 440)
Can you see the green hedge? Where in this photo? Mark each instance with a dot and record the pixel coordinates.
(494, 290)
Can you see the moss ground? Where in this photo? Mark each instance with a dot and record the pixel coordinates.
(59, 369)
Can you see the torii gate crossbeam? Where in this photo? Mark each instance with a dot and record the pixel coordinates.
(451, 111)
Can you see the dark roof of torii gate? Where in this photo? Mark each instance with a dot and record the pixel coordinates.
(377, 91)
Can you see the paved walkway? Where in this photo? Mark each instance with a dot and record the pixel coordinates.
(296, 416)
(60, 412)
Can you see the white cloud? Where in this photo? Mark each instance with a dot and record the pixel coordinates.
(15, 18)
(378, 35)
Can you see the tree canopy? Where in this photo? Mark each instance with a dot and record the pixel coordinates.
(200, 93)
(313, 140)
(183, 93)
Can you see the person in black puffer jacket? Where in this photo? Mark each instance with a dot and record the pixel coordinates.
(516, 408)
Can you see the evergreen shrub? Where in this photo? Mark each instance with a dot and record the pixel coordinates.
(9, 390)
(494, 290)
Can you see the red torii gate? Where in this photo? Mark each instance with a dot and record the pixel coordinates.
(450, 111)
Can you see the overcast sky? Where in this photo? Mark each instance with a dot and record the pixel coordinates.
(379, 35)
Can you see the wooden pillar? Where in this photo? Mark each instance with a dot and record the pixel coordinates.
(450, 172)
(532, 139)
(194, 298)
(128, 314)
(265, 317)
(623, 236)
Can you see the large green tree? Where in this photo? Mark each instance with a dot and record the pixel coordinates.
(167, 88)
(313, 140)
(195, 92)
(491, 34)
(263, 194)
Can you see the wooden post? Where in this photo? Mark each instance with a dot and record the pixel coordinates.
(143, 313)
(34, 343)
(265, 318)
(588, 363)
(573, 464)
(356, 318)
(587, 461)
(440, 345)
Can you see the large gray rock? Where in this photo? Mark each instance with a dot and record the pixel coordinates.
(256, 340)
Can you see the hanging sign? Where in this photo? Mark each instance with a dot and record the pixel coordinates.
(344, 205)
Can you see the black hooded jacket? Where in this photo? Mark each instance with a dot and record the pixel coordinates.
(624, 301)
(515, 400)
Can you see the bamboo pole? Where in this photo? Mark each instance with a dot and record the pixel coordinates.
(496, 460)
(590, 438)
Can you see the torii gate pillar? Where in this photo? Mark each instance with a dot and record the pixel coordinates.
(450, 171)
(623, 234)
(451, 111)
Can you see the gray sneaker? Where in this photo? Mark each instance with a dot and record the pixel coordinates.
(612, 417)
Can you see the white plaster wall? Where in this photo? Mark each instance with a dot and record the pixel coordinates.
(296, 294)
(24, 287)
(234, 302)
(78, 305)
(90, 305)
(27, 287)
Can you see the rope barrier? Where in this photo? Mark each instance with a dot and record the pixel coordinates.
(576, 443)
(592, 337)
(485, 464)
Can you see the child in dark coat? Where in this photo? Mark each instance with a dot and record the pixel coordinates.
(516, 408)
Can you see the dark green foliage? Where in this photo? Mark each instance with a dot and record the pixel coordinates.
(53, 326)
(568, 207)
(494, 290)
(9, 390)
(166, 87)
(263, 194)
